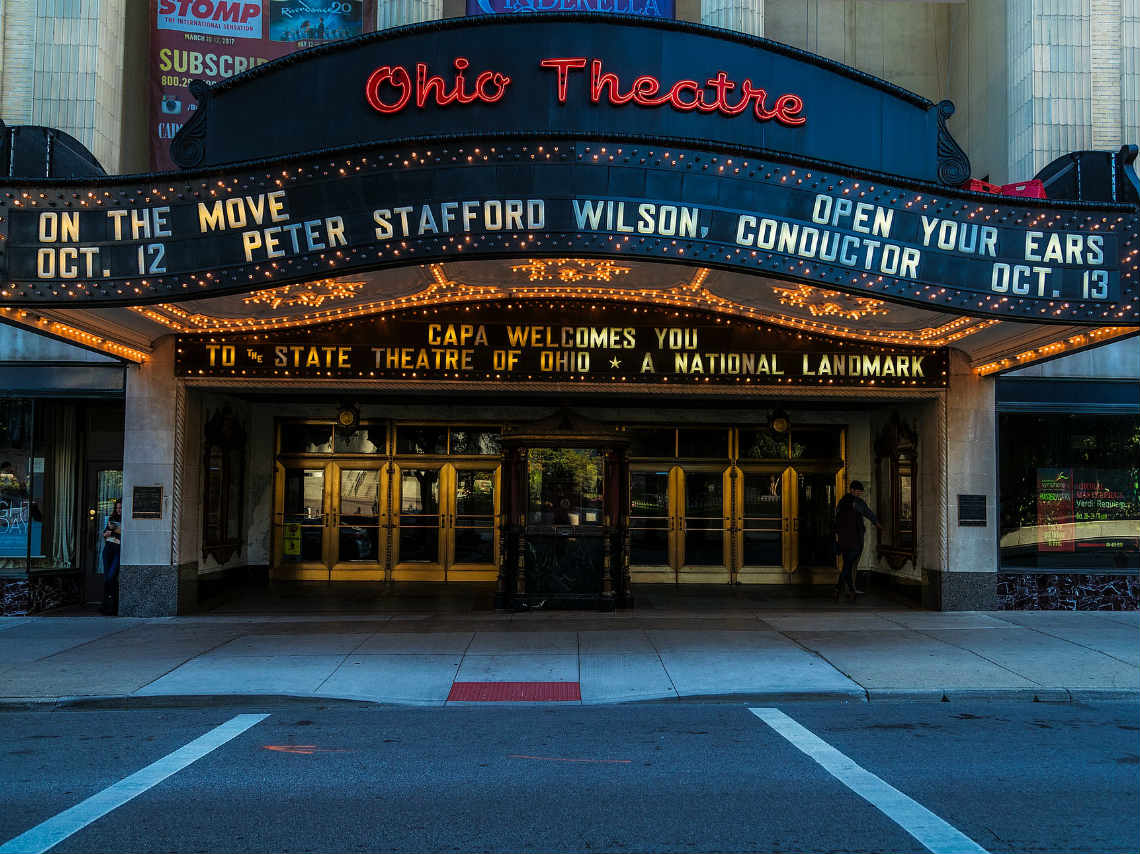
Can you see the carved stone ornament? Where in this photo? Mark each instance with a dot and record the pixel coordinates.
(189, 145)
(953, 164)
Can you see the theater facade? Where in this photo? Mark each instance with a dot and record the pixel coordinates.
(567, 308)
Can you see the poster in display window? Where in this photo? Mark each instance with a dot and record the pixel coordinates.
(213, 40)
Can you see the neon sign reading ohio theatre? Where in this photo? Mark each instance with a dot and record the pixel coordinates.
(391, 88)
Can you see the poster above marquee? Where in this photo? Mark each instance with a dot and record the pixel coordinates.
(559, 341)
(121, 242)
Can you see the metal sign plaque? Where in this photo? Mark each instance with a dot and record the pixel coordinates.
(564, 341)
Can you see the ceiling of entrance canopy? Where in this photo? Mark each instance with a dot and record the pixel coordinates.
(782, 303)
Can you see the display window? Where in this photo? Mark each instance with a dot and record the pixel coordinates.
(1070, 492)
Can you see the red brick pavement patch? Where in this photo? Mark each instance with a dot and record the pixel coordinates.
(514, 692)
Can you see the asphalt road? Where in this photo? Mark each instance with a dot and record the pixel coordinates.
(655, 777)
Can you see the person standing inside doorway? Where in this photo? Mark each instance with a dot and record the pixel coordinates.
(849, 530)
(112, 541)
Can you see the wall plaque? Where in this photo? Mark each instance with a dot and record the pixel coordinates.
(146, 502)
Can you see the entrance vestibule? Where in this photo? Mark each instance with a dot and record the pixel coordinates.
(549, 517)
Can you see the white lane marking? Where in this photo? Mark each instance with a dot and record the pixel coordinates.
(934, 833)
(57, 828)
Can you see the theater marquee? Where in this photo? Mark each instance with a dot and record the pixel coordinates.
(559, 342)
(585, 135)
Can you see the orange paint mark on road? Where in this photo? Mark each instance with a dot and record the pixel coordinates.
(302, 749)
(563, 759)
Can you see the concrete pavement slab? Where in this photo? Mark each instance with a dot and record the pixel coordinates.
(550, 667)
(908, 659)
(831, 621)
(268, 674)
(689, 640)
(614, 641)
(610, 678)
(1044, 659)
(1088, 629)
(924, 620)
(524, 643)
(421, 679)
(747, 663)
(449, 643)
(298, 643)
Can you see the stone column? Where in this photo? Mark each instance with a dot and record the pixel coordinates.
(152, 456)
(745, 16)
(397, 13)
(968, 581)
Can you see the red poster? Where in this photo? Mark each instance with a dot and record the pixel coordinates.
(214, 39)
(1056, 529)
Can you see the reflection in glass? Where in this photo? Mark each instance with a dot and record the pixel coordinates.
(763, 444)
(303, 514)
(649, 518)
(763, 519)
(422, 440)
(704, 521)
(17, 484)
(470, 441)
(474, 516)
(359, 526)
(419, 515)
(362, 440)
(565, 486)
(1069, 491)
(306, 438)
(817, 510)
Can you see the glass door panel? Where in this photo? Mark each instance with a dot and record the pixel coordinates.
(359, 540)
(565, 523)
(419, 555)
(301, 535)
(651, 526)
(473, 524)
(814, 538)
(703, 541)
(762, 520)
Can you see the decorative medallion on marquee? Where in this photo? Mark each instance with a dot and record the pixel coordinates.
(560, 341)
(569, 270)
(309, 294)
(829, 303)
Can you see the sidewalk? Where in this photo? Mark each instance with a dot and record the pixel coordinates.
(415, 658)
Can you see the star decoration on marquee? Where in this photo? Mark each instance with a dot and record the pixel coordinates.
(822, 303)
(615, 362)
(570, 270)
(310, 294)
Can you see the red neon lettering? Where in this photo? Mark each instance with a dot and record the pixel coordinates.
(563, 66)
(684, 95)
(397, 78)
(489, 87)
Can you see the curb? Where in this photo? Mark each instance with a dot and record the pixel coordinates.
(873, 695)
(1034, 695)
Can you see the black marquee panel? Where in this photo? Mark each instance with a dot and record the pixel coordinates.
(560, 341)
(181, 237)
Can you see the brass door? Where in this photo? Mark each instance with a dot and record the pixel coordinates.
(704, 547)
(679, 524)
(445, 522)
(653, 527)
(765, 524)
(329, 521)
